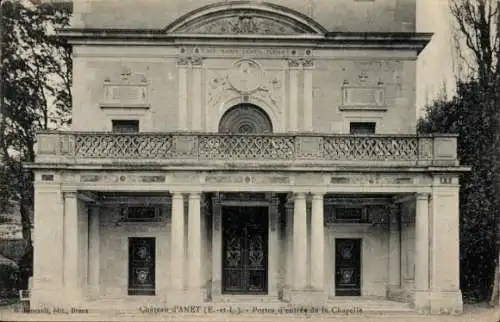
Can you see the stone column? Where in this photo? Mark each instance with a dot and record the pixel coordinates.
(294, 67)
(194, 243)
(394, 251)
(317, 243)
(422, 252)
(48, 255)
(94, 255)
(274, 251)
(72, 288)
(216, 249)
(177, 243)
(445, 291)
(197, 124)
(300, 242)
(308, 95)
(289, 243)
(182, 104)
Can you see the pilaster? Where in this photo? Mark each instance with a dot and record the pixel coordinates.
(182, 105)
(293, 72)
(289, 244)
(196, 95)
(308, 95)
(93, 255)
(72, 287)
(274, 249)
(394, 258)
(216, 249)
(422, 253)
(48, 255)
(445, 294)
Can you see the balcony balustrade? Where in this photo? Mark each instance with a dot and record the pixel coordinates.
(222, 149)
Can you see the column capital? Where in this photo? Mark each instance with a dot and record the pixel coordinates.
(177, 194)
(294, 63)
(70, 194)
(318, 195)
(422, 196)
(194, 195)
(299, 195)
(197, 62)
(183, 62)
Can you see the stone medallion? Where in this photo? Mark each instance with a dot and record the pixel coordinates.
(245, 76)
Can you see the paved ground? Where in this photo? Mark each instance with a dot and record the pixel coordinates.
(476, 313)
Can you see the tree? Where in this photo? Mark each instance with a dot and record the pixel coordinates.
(474, 114)
(465, 115)
(35, 93)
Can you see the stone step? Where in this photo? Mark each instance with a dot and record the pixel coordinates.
(215, 317)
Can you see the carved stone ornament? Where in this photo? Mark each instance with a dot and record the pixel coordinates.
(243, 24)
(126, 88)
(245, 76)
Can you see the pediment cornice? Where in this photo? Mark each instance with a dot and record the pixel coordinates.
(243, 17)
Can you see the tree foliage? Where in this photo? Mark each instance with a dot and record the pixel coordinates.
(478, 25)
(35, 94)
(474, 114)
(468, 116)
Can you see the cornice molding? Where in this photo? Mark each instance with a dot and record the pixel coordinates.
(157, 37)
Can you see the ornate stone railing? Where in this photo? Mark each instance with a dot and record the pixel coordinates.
(323, 149)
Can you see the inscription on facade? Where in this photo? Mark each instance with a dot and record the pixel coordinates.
(370, 179)
(271, 52)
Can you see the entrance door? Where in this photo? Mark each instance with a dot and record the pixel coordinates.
(347, 267)
(244, 249)
(141, 280)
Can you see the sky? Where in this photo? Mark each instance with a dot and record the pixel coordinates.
(435, 63)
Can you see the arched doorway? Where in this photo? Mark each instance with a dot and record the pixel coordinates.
(245, 118)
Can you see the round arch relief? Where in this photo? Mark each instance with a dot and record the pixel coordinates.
(242, 17)
(245, 118)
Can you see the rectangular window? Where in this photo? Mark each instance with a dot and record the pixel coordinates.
(125, 126)
(141, 266)
(362, 127)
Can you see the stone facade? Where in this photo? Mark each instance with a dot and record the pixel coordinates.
(345, 213)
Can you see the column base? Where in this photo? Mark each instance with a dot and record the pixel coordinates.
(305, 297)
(396, 293)
(46, 299)
(446, 302)
(421, 302)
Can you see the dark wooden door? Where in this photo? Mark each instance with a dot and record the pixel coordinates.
(244, 250)
(347, 267)
(141, 272)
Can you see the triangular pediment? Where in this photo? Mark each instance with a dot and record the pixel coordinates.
(244, 18)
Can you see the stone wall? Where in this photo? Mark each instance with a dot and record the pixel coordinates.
(114, 255)
(342, 81)
(339, 15)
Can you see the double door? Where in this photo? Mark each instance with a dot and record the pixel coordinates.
(244, 250)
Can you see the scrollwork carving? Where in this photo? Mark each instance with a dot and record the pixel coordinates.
(243, 24)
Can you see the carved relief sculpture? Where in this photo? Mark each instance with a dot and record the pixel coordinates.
(128, 88)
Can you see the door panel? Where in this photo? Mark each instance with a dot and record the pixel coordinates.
(141, 266)
(244, 261)
(347, 267)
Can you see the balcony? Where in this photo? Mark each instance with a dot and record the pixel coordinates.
(214, 150)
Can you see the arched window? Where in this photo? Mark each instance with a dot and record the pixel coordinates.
(245, 118)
